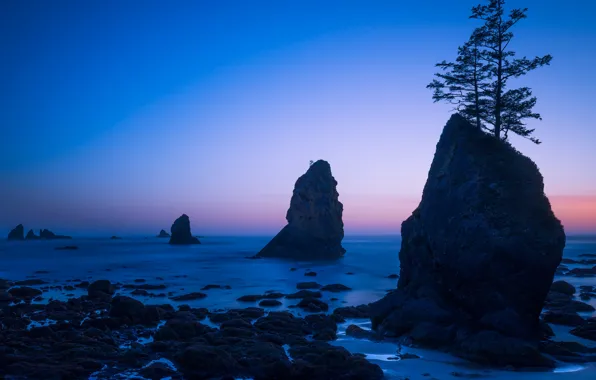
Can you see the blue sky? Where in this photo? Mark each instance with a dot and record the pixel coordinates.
(117, 117)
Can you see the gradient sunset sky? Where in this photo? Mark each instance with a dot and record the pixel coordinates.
(118, 117)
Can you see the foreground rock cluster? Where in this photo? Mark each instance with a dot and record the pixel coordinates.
(102, 334)
(315, 228)
(478, 255)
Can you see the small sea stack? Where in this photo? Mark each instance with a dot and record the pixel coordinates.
(163, 234)
(478, 255)
(49, 235)
(31, 236)
(181, 232)
(17, 233)
(315, 228)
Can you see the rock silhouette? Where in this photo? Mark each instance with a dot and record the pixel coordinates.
(315, 228)
(163, 234)
(49, 235)
(478, 255)
(17, 233)
(181, 232)
(31, 235)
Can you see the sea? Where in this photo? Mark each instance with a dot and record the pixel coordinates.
(224, 260)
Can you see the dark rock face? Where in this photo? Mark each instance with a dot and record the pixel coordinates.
(17, 233)
(478, 255)
(181, 232)
(163, 234)
(315, 228)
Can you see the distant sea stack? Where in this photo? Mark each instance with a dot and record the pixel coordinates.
(478, 255)
(315, 228)
(31, 236)
(181, 232)
(49, 235)
(163, 234)
(17, 233)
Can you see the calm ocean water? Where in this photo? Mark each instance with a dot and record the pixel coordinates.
(222, 261)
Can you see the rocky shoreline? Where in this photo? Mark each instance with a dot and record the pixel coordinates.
(105, 332)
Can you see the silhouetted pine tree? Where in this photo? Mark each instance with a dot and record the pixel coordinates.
(511, 107)
(485, 96)
(464, 82)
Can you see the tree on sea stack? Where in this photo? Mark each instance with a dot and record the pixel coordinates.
(463, 83)
(477, 83)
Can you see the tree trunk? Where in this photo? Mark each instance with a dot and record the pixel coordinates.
(499, 78)
(476, 95)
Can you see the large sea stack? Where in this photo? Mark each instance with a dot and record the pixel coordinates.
(17, 233)
(478, 255)
(315, 228)
(181, 232)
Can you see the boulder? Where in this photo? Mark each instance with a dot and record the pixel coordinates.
(17, 233)
(100, 289)
(335, 288)
(315, 228)
(479, 253)
(269, 303)
(563, 287)
(189, 297)
(24, 292)
(308, 285)
(163, 234)
(67, 248)
(586, 330)
(126, 307)
(565, 318)
(181, 232)
(359, 333)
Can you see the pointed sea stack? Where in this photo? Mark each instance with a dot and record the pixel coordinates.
(478, 255)
(181, 232)
(17, 233)
(31, 236)
(163, 234)
(315, 228)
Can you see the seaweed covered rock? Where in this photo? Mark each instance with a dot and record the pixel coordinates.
(17, 233)
(315, 228)
(478, 255)
(181, 232)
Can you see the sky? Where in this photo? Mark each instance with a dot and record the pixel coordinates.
(117, 117)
